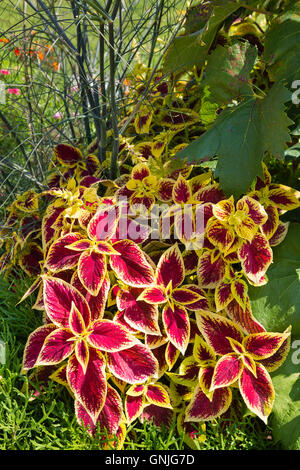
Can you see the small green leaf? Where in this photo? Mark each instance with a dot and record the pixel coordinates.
(185, 52)
(293, 152)
(208, 111)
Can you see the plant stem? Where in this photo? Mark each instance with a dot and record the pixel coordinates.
(102, 148)
(114, 170)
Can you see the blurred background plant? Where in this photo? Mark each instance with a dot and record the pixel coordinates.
(65, 67)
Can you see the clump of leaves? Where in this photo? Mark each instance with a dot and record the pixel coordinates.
(154, 321)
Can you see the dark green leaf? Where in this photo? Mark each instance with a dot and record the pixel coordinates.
(277, 304)
(240, 136)
(191, 49)
(285, 419)
(282, 46)
(228, 72)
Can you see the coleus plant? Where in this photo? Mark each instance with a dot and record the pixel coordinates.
(161, 329)
(89, 345)
(127, 320)
(144, 327)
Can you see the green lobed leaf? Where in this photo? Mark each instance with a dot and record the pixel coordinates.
(240, 136)
(228, 72)
(192, 48)
(277, 304)
(285, 418)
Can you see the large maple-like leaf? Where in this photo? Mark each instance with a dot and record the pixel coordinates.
(240, 136)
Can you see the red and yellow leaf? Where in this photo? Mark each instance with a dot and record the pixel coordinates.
(216, 329)
(133, 365)
(170, 268)
(60, 255)
(90, 386)
(220, 234)
(257, 392)
(283, 197)
(255, 257)
(201, 408)
(158, 395)
(134, 406)
(203, 353)
(210, 271)
(109, 336)
(227, 371)
(34, 345)
(58, 299)
(56, 348)
(111, 414)
(223, 295)
(92, 271)
(82, 353)
(264, 345)
(131, 265)
(239, 291)
(177, 326)
(68, 155)
(181, 191)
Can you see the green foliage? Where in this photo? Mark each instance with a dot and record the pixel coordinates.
(286, 411)
(185, 51)
(245, 434)
(293, 152)
(228, 72)
(277, 304)
(192, 48)
(208, 109)
(240, 136)
(241, 55)
(282, 47)
(229, 69)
